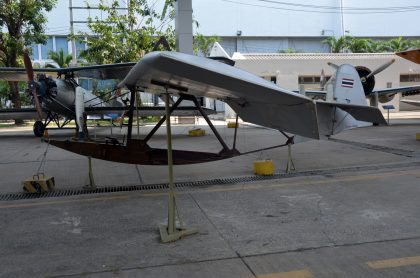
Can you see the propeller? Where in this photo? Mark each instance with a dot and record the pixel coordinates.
(378, 70)
(333, 65)
(32, 84)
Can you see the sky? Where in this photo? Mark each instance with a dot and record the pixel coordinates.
(276, 18)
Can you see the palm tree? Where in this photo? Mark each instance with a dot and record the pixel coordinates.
(62, 60)
(359, 45)
(398, 44)
(378, 46)
(338, 45)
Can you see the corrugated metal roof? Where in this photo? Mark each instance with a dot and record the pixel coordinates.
(311, 56)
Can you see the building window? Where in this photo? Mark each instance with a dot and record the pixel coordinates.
(410, 77)
(61, 43)
(35, 54)
(311, 81)
(46, 48)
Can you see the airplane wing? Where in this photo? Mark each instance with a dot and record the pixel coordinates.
(359, 112)
(30, 113)
(405, 91)
(19, 113)
(145, 111)
(411, 102)
(254, 99)
(411, 55)
(110, 71)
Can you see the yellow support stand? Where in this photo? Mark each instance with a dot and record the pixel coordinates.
(264, 167)
(232, 125)
(197, 132)
(418, 136)
(39, 184)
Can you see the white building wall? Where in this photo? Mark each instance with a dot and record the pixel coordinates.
(287, 67)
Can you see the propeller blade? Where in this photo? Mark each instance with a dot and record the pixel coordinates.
(31, 83)
(333, 65)
(379, 69)
(28, 66)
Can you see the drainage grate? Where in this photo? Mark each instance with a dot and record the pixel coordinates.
(202, 183)
(396, 151)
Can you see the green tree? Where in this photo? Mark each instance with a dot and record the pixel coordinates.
(202, 45)
(21, 24)
(62, 60)
(338, 45)
(398, 44)
(415, 44)
(124, 36)
(377, 46)
(356, 45)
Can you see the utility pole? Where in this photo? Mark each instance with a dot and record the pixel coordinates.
(73, 41)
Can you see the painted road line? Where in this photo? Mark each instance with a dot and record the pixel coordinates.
(397, 262)
(291, 274)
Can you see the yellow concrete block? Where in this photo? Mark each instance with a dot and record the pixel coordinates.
(264, 167)
(39, 184)
(232, 125)
(418, 136)
(196, 132)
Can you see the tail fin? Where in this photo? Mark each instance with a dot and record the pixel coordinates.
(347, 86)
(349, 107)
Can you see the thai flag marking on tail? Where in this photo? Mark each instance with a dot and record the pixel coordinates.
(347, 82)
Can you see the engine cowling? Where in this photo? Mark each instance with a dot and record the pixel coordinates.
(367, 83)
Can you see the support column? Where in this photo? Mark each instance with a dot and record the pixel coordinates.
(171, 232)
(183, 26)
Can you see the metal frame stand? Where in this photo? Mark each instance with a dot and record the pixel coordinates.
(290, 166)
(91, 184)
(170, 232)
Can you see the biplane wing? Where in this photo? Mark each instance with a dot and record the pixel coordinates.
(112, 71)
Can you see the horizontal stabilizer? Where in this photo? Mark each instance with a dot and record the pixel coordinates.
(359, 112)
(411, 102)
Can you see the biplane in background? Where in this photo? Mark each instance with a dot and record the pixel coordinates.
(254, 99)
(61, 96)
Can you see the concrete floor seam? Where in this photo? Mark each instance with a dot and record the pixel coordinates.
(241, 257)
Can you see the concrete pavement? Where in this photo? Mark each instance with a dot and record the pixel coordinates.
(338, 223)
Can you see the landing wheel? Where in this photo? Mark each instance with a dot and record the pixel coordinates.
(39, 128)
